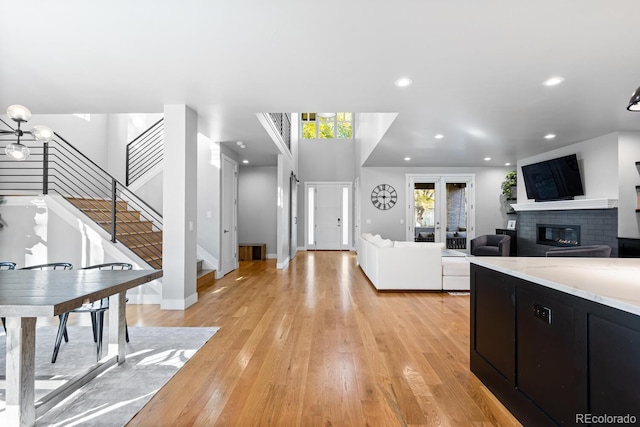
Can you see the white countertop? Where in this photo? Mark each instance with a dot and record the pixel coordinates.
(614, 282)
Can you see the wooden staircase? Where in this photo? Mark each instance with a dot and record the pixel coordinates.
(135, 233)
(131, 230)
(205, 277)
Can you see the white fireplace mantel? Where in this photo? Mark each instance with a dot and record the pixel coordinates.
(566, 205)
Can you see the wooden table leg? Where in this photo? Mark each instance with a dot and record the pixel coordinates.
(117, 313)
(21, 356)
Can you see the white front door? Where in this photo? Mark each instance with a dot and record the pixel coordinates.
(328, 216)
(229, 232)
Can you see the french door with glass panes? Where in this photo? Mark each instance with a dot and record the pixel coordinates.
(441, 209)
(328, 215)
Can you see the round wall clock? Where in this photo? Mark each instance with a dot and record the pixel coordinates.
(384, 196)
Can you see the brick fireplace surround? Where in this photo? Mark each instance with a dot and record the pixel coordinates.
(597, 227)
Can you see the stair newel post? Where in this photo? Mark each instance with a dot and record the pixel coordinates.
(45, 168)
(114, 204)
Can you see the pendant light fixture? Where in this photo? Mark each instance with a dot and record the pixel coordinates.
(21, 114)
(634, 102)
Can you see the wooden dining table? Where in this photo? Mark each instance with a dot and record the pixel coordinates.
(28, 294)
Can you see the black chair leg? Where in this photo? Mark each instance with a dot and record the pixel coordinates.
(94, 326)
(4, 325)
(66, 336)
(62, 328)
(99, 327)
(126, 330)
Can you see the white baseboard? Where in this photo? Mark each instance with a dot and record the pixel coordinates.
(144, 299)
(179, 304)
(283, 265)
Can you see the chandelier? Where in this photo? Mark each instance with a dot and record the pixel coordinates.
(20, 115)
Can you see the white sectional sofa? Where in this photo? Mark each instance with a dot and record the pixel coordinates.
(397, 265)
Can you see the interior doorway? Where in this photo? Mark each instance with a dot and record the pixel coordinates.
(229, 216)
(328, 215)
(293, 215)
(441, 209)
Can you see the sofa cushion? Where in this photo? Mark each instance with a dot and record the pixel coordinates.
(486, 251)
(384, 243)
(367, 236)
(455, 266)
(403, 244)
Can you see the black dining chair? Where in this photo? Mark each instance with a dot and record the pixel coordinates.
(96, 309)
(5, 265)
(50, 266)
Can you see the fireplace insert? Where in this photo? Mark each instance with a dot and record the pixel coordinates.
(558, 235)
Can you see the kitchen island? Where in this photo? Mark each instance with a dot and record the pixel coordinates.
(557, 340)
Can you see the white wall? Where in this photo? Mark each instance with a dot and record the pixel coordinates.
(257, 206)
(40, 230)
(285, 167)
(628, 178)
(179, 246)
(89, 137)
(209, 158)
(326, 160)
(370, 128)
(490, 208)
(122, 129)
(598, 160)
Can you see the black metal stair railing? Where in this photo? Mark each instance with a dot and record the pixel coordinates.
(282, 124)
(59, 168)
(145, 152)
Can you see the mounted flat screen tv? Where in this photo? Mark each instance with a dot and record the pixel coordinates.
(555, 179)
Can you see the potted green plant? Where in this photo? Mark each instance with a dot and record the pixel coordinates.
(509, 185)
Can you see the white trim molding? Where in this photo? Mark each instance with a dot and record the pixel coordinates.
(179, 304)
(566, 205)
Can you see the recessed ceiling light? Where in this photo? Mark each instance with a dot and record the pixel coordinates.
(245, 161)
(407, 158)
(477, 133)
(507, 164)
(552, 81)
(486, 159)
(549, 136)
(404, 82)
(439, 136)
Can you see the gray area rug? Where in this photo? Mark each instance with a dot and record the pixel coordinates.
(154, 355)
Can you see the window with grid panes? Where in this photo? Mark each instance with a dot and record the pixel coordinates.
(326, 125)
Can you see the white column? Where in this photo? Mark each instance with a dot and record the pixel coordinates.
(179, 208)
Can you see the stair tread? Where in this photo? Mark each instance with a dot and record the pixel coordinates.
(127, 221)
(132, 226)
(145, 245)
(202, 273)
(129, 233)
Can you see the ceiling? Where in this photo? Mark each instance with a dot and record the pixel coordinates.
(477, 68)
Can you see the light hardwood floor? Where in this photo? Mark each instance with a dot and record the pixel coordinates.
(316, 345)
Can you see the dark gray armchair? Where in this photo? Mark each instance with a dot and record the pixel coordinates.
(491, 245)
(589, 251)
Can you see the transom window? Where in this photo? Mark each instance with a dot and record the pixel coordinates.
(326, 125)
